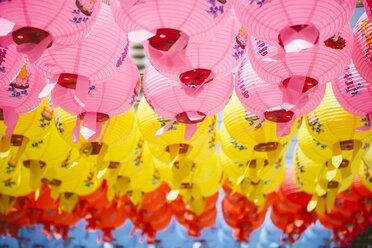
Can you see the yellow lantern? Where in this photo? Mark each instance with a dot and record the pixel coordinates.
(114, 131)
(334, 127)
(149, 123)
(244, 128)
(322, 180)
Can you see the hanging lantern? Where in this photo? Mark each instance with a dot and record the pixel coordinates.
(199, 64)
(20, 96)
(39, 26)
(173, 27)
(256, 189)
(112, 133)
(246, 129)
(10, 63)
(299, 74)
(294, 25)
(30, 127)
(111, 98)
(121, 155)
(89, 62)
(243, 216)
(323, 181)
(334, 127)
(163, 93)
(354, 94)
(320, 152)
(267, 100)
(203, 181)
(149, 123)
(362, 56)
(137, 172)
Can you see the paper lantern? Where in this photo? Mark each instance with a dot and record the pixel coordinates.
(169, 100)
(20, 96)
(183, 152)
(243, 216)
(266, 100)
(362, 56)
(10, 63)
(133, 169)
(298, 74)
(173, 27)
(245, 128)
(333, 126)
(204, 181)
(354, 94)
(322, 180)
(256, 190)
(294, 25)
(199, 64)
(134, 182)
(149, 123)
(31, 126)
(253, 169)
(119, 156)
(111, 98)
(89, 62)
(319, 152)
(113, 132)
(38, 26)
(190, 173)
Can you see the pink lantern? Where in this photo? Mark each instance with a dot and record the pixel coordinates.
(10, 64)
(168, 99)
(200, 64)
(354, 94)
(368, 8)
(102, 101)
(41, 24)
(298, 73)
(167, 26)
(362, 56)
(98, 57)
(265, 100)
(20, 96)
(294, 24)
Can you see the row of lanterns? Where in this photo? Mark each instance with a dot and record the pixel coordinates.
(69, 127)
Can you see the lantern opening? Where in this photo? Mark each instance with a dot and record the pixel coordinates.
(279, 116)
(184, 118)
(30, 35)
(68, 80)
(298, 37)
(347, 145)
(308, 84)
(101, 117)
(93, 149)
(266, 147)
(1, 115)
(183, 148)
(16, 140)
(27, 164)
(113, 165)
(195, 77)
(165, 38)
(253, 163)
(332, 184)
